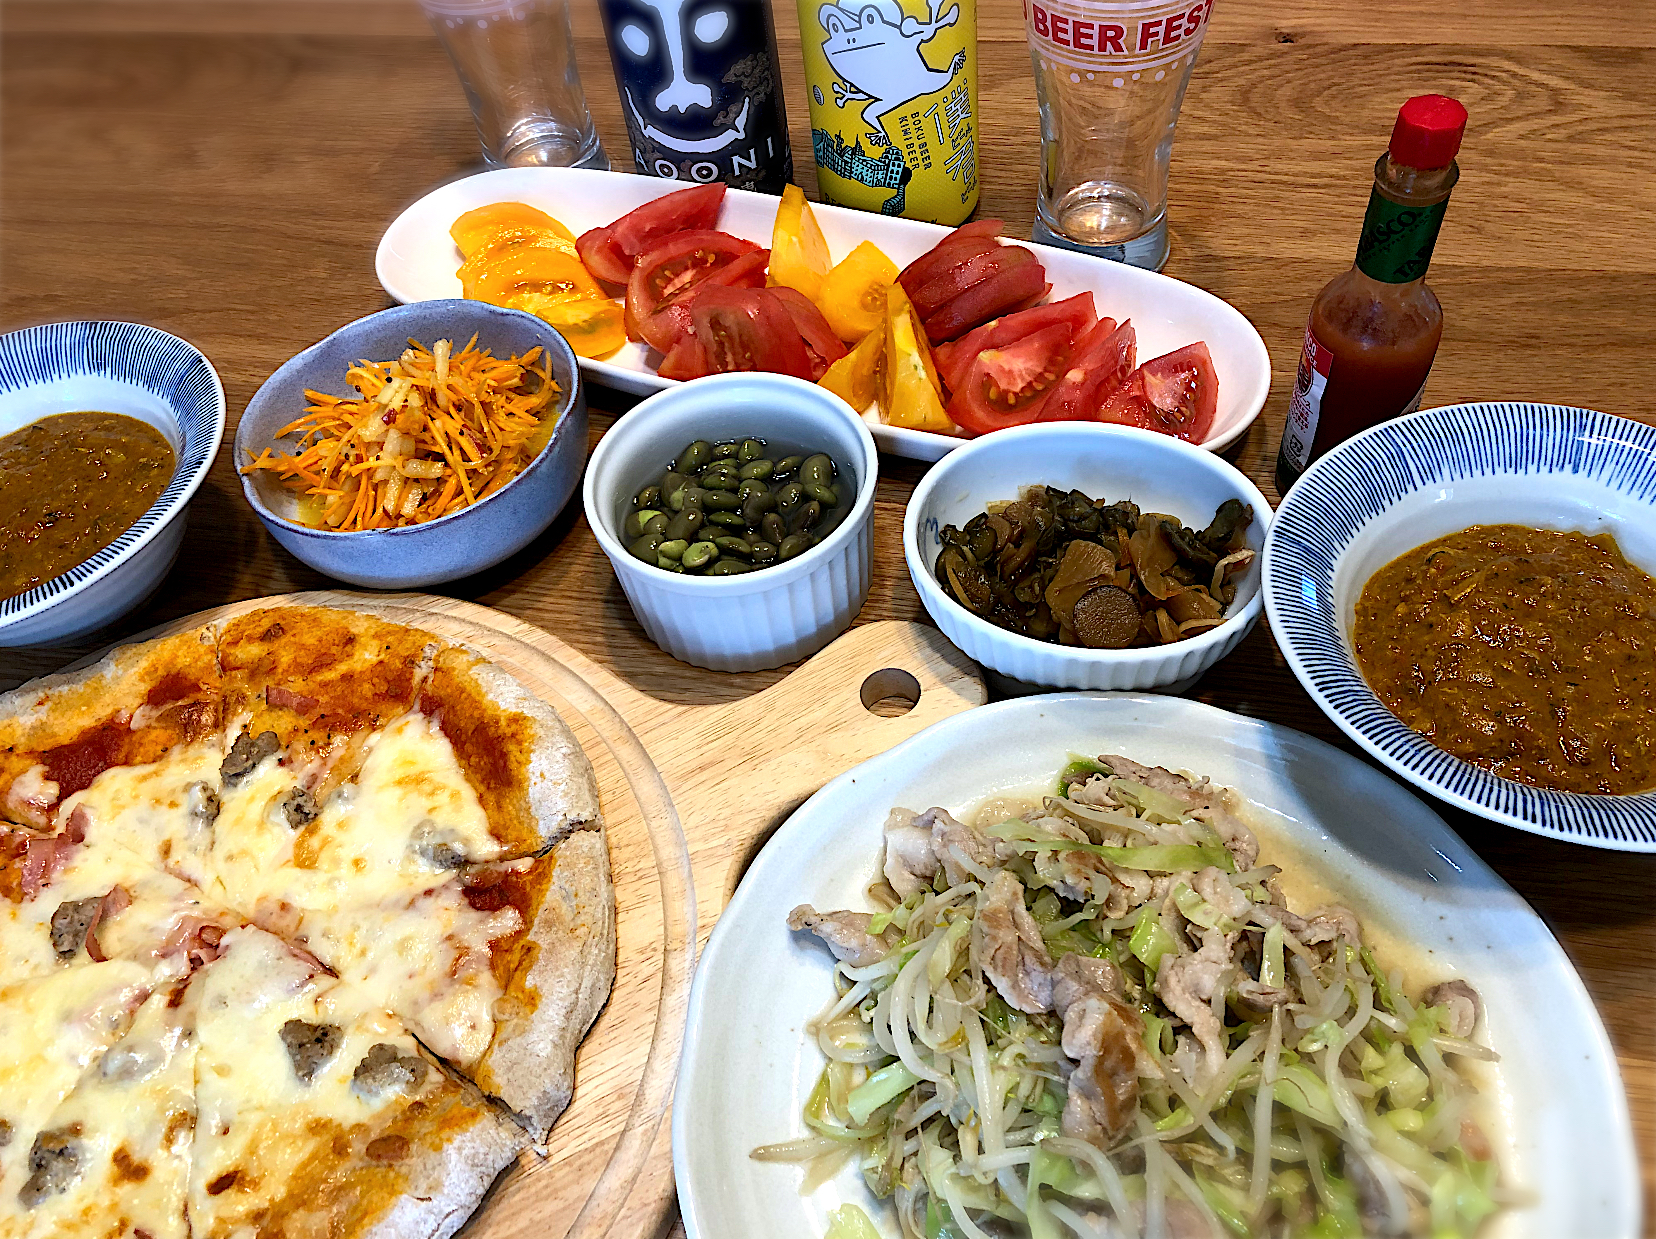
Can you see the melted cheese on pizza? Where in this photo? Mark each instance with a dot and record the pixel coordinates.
(161, 810)
(52, 1029)
(124, 1135)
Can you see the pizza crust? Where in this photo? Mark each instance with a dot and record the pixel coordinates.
(530, 1066)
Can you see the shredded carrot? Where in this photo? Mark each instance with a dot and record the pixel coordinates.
(432, 432)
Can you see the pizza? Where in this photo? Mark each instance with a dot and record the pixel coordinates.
(302, 918)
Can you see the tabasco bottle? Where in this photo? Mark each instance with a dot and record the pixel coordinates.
(1374, 330)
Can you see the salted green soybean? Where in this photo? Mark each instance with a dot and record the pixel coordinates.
(723, 508)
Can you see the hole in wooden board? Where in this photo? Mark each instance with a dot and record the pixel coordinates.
(890, 692)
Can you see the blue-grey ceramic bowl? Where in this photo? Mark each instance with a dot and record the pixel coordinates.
(1410, 481)
(112, 368)
(452, 546)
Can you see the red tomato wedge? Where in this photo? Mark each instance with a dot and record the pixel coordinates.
(954, 360)
(1013, 284)
(1177, 394)
(822, 344)
(748, 329)
(687, 360)
(668, 273)
(1008, 385)
(1102, 361)
(973, 238)
(609, 252)
(671, 321)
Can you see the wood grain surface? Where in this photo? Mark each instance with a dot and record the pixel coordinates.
(223, 169)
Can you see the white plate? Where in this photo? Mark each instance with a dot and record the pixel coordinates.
(1557, 1110)
(417, 261)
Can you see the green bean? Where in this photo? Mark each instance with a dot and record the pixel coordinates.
(793, 545)
(720, 468)
(755, 469)
(658, 524)
(763, 553)
(753, 511)
(750, 489)
(728, 567)
(787, 465)
(673, 549)
(633, 527)
(817, 469)
(751, 449)
(670, 565)
(731, 545)
(720, 481)
(730, 520)
(698, 555)
(827, 496)
(772, 527)
(724, 451)
(684, 525)
(807, 516)
(689, 496)
(720, 501)
(789, 496)
(671, 482)
(645, 548)
(649, 497)
(694, 457)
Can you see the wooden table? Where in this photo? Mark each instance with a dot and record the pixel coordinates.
(224, 170)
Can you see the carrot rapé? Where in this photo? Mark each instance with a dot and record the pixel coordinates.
(433, 431)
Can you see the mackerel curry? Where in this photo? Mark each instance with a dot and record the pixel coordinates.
(1527, 652)
(70, 484)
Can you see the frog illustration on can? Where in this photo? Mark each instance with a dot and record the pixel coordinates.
(901, 113)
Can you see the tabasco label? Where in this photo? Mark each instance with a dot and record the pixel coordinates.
(1304, 410)
(1135, 37)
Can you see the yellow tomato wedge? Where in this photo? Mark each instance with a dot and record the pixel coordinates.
(911, 395)
(475, 229)
(799, 255)
(855, 378)
(555, 273)
(852, 298)
(593, 328)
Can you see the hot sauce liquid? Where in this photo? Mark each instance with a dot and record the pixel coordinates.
(1383, 338)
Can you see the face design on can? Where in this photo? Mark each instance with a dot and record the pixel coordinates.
(687, 92)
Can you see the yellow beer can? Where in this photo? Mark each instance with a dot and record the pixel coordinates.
(894, 104)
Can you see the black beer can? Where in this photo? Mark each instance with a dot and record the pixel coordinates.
(701, 89)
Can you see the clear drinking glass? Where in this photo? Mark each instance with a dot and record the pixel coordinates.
(516, 61)
(1110, 76)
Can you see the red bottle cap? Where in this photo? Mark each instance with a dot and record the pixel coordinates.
(1428, 132)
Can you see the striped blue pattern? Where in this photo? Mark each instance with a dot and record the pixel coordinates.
(144, 357)
(1359, 481)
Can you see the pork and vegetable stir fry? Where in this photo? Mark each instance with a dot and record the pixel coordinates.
(1059, 566)
(1101, 1018)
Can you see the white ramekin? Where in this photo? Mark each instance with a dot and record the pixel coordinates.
(1155, 471)
(759, 619)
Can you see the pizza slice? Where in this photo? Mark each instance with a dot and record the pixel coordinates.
(311, 684)
(57, 734)
(318, 1114)
(113, 1160)
(500, 969)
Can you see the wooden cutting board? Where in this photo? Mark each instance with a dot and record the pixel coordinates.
(690, 793)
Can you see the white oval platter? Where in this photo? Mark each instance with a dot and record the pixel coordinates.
(417, 260)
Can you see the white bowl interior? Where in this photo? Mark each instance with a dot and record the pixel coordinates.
(1565, 502)
(780, 410)
(89, 393)
(417, 261)
(1104, 464)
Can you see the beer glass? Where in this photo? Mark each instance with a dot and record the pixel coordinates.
(516, 62)
(1110, 76)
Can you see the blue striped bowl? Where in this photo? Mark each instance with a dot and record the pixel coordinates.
(1406, 482)
(114, 368)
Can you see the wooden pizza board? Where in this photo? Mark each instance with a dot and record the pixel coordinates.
(689, 793)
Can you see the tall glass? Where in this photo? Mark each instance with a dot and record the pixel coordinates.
(1110, 76)
(516, 61)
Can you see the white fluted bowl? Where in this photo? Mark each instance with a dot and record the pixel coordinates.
(1155, 471)
(759, 619)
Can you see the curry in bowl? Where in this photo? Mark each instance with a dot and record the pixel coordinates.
(1527, 652)
(70, 484)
